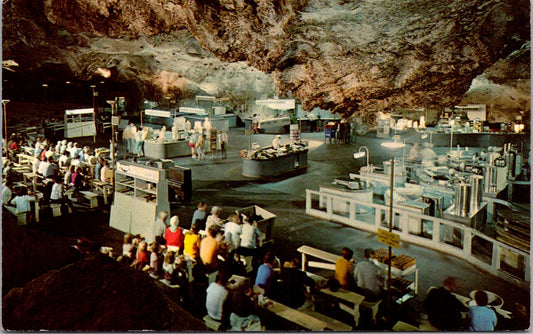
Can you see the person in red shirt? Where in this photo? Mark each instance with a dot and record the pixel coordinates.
(142, 262)
(174, 235)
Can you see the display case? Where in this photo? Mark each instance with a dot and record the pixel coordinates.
(179, 180)
(404, 274)
(141, 192)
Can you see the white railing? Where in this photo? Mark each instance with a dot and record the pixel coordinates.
(376, 217)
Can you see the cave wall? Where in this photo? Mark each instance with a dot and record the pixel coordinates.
(350, 57)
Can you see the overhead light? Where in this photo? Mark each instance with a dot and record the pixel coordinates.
(45, 85)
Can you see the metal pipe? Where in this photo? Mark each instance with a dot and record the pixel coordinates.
(389, 269)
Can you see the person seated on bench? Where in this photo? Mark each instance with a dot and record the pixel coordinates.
(217, 301)
(209, 249)
(64, 160)
(98, 168)
(22, 204)
(156, 264)
(7, 191)
(57, 195)
(129, 250)
(232, 232)
(43, 165)
(368, 279)
(191, 242)
(174, 235)
(265, 273)
(67, 179)
(214, 218)
(52, 169)
(243, 308)
(443, 308)
(344, 269)
(103, 172)
(142, 262)
(294, 287)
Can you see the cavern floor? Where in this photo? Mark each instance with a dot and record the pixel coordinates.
(219, 182)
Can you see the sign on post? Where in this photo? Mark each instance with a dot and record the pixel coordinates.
(388, 238)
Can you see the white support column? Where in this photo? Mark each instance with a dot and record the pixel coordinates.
(436, 231)
(467, 242)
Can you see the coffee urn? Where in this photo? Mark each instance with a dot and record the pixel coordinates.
(462, 199)
(476, 183)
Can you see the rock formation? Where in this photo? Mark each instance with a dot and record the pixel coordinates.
(94, 294)
(346, 56)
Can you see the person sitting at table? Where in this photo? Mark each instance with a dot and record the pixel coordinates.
(482, 318)
(200, 214)
(344, 268)
(243, 309)
(174, 235)
(22, 204)
(44, 150)
(443, 308)
(209, 250)
(52, 169)
(217, 302)
(63, 146)
(142, 262)
(294, 287)
(155, 259)
(7, 191)
(232, 232)
(68, 176)
(57, 148)
(191, 242)
(37, 149)
(35, 165)
(368, 278)
(64, 160)
(98, 168)
(57, 195)
(50, 152)
(249, 240)
(265, 273)
(214, 218)
(43, 165)
(128, 250)
(103, 172)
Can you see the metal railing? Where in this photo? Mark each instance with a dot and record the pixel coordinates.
(493, 256)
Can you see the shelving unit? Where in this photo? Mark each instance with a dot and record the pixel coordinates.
(400, 284)
(141, 192)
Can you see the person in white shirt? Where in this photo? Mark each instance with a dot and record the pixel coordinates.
(249, 236)
(57, 194)
(68, 175)
(214, 218)
(36, 164)
(49, 153)
(43, 166)
(63, 147)
(58, 147)
(232, 231)
(7, 191)
(64, 160)
(22, 201)
(37, 146)
(216, 298)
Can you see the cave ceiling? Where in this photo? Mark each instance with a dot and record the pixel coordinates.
(346, 56)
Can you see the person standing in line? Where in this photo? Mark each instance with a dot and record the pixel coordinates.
(158, 229)
(200, 214)
(224, 140)
(200, 149)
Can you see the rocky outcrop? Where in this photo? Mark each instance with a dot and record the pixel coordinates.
(94, 294)
(347, 56)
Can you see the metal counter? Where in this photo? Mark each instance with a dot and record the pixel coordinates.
(365, 194)
(166, 150)
(274, 166)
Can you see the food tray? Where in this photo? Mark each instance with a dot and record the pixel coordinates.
(381, 254)
(403, 261)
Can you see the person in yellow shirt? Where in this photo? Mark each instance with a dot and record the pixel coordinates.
(191, 242)
(344, 268)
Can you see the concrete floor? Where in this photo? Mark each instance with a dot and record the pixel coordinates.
(219, 182)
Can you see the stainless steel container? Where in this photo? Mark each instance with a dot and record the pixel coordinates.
(462, 199)
(476, 183)
(491, 178)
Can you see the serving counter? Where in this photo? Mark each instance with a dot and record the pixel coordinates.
(273, 166)
(364, 194)
(166, 150)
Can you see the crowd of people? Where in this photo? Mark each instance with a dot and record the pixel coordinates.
(208, 255)
(61, 166)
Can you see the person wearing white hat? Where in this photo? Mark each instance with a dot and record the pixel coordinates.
(276, 142)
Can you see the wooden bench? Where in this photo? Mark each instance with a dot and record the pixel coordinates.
(318, 253)
(211, 323)
(92, 197)
(349, 301)
(21, 217)
(401, 326)
(24, 159)
(294, 316)
(332, 324)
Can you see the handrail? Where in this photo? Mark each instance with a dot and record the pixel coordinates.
(434, 242)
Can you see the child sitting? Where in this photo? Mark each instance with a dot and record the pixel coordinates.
(142, 262)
